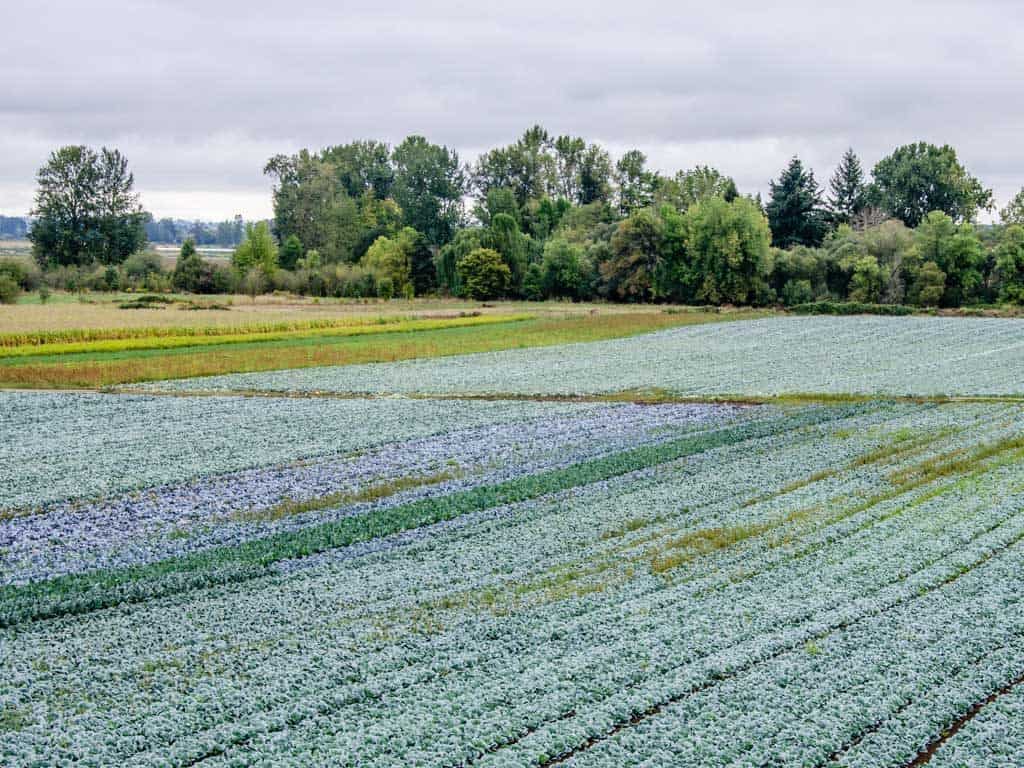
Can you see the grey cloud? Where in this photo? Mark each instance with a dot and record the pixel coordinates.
(199, 94)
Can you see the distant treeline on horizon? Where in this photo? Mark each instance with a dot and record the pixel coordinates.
(558, 217)
(227, 234)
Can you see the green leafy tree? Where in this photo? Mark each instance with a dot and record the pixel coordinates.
(797, 291)
(362, 167)
(429, 186)
(446, 262)
(797, 268)
(253, 282)
(422, 256)
(391, 259)
(957, 251)
(794, 211)
(636, 184)
(86, 209)
(594, 176)
(377, 218)
(867, 281)
(498, 200)
(1010, 264)
(483, 274)
(291, 251)
(1013, 213)
(543, 216)
(629, 271)
(561, 274)
(504, 237)
(312, 203)
(527, 168)
(892, 246)
(568, 152)
(582, 171)
(724, 255)
(848, 189)
(917, 179)
(930, 284)
(256, 251)
(191, 273)
(696, 185)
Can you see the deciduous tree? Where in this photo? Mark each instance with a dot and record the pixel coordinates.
(917, 179)
(86, 209)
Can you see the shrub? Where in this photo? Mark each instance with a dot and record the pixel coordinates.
(139, 266)
(931, 284)
(796, 292)
(254, 282)
(851, 308)
(25, 274)
(223, 280)
(111, 278)
(348, 280)
(191, 273)
(9, 289)
(483, 274)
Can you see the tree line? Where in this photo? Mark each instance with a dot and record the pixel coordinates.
(558, 217)
(224, 234)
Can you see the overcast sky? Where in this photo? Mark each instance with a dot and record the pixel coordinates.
(199, 94)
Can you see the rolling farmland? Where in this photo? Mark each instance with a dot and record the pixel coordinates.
(512, 558)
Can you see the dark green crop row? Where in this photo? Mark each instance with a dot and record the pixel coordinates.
(81, 593)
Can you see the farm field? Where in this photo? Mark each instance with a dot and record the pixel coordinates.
(516, 558)
(78, 357)
(763, 357)
(66, 311)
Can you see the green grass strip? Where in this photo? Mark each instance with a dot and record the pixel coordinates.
(82, 593)
(210, 339)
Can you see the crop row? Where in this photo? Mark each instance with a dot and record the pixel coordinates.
(246, 560)
(216, 336)
(818, 573)
(61, 446)
(68, 335)
(155, 523)
(890, 355)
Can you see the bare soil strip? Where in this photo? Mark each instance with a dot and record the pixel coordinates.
(928, 751)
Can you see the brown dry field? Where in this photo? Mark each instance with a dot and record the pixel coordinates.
(98, 311)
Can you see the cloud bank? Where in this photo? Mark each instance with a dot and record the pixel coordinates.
(199, 94)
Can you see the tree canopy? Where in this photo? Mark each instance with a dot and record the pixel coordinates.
(86, 209)
(917, 179)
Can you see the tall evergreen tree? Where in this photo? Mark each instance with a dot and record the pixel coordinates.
(794, 212)
(849, 192)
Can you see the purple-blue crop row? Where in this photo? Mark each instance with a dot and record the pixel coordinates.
(144, 526)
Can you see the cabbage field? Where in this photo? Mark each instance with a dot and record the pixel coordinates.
(336, 579)
(776, 355)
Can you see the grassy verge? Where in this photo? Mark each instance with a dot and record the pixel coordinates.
(100, 369)
(81, 593)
